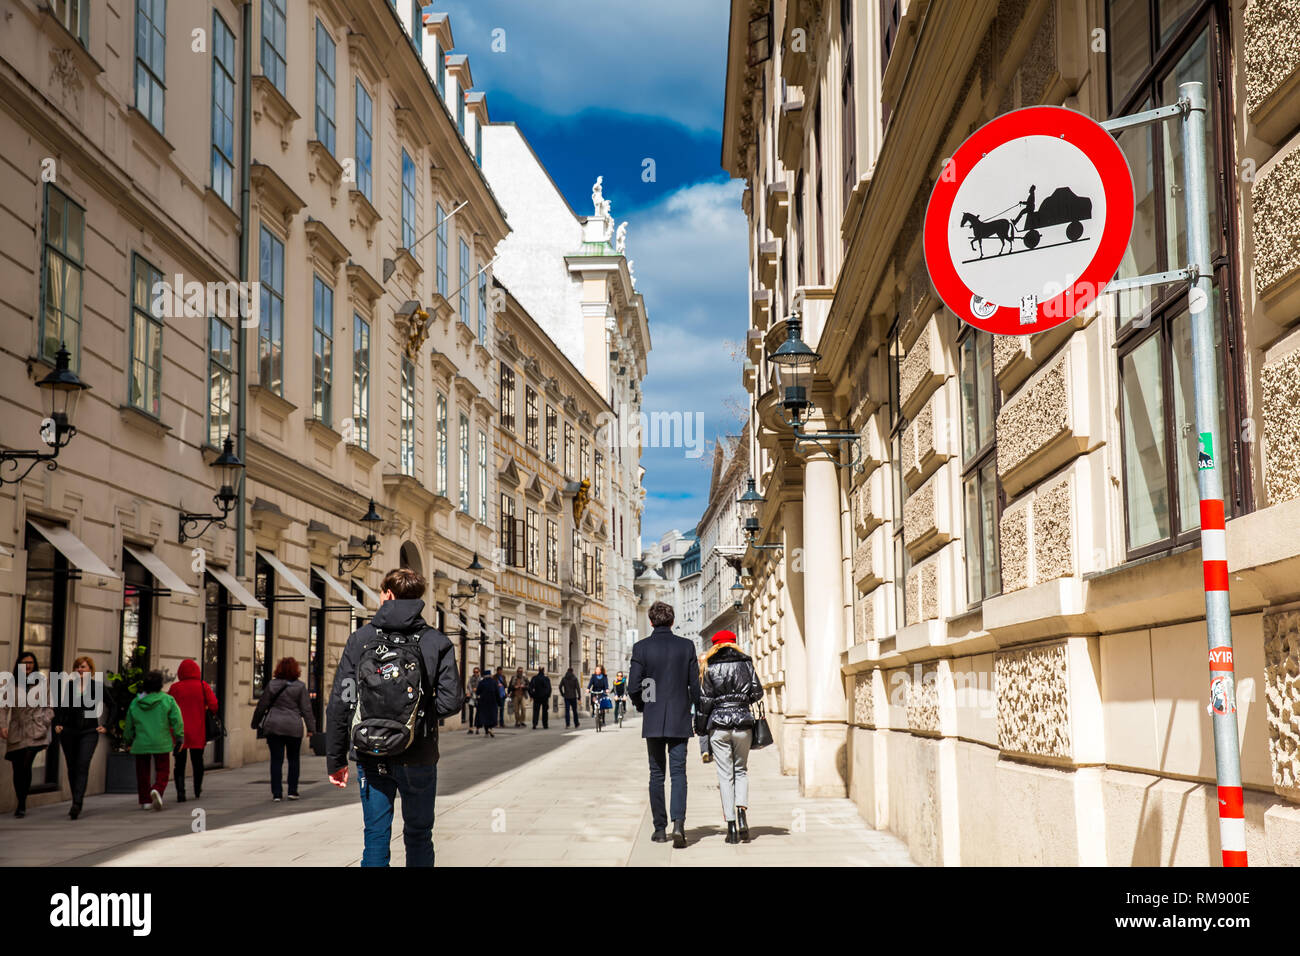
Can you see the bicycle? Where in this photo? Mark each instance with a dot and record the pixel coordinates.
(620, 710)
(598, 712)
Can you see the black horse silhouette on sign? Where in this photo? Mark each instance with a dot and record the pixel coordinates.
(1062, 208)
(1001, 228)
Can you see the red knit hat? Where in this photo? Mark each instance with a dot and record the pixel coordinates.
(724, 637)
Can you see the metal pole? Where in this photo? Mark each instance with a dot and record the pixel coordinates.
(1218, 619)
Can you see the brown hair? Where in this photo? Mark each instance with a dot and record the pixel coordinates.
(84, 660)
(661, 614)
(287, 669)
(406, 584)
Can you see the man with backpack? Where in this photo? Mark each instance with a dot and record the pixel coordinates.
(539, 689)
(396, 678)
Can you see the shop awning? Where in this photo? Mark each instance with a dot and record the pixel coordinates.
(371, 595)
(290, 578)
(238, 593)
(337, 588)
(75, 550)
(165, 576)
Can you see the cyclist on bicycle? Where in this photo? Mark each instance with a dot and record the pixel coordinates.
(599, 688)
(620, 695)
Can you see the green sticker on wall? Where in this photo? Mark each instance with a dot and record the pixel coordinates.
(1205, 459)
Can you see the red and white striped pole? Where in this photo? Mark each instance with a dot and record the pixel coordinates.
(1214, 551)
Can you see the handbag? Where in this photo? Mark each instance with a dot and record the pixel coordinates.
(762, 732)
(260, 725)
(213, 727)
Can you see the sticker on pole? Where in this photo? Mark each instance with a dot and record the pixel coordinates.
(1030, 220)
(1205, 455)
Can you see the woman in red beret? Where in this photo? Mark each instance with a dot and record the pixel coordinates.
(728, 685)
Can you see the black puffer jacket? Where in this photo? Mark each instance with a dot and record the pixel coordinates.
(727, 688)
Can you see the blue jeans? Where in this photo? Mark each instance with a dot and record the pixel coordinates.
(418, 785)
(675, 748)
(570, 705)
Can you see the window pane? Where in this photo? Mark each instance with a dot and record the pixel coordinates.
(1185, 432)
(984, 385)
(1130, 45)
(1145, 484)
(969, 399)
(1141, 256)
(1170, 12)
(974, 562)
(1194, 67)
(989, 516)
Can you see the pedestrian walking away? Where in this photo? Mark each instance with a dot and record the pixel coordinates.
(490, 694)
(279, 716)
(518, 696)
(728, 685)
(396, 679)
(664, 684)
(79, 729)
(503, 697)
(539, 689)
(26, 728)
(153, 728)
(571, 691)
(195, 698)
(471, 701)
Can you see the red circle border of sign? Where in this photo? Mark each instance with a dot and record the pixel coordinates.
(1100, 147)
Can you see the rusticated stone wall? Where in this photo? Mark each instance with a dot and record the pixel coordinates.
(917, 366)
(1053, 533)
(864, 712)
(923, 700)
(1033, 418)
(1033, 691)
(1282, 679)
(1280, 390)
(1275, 194)
(1014, 549)
(1005, 349)
(1039, 64)
(919, 514)
(1272, 34)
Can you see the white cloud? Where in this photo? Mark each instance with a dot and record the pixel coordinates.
(664, 58)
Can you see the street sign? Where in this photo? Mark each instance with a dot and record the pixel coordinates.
(1029, 220)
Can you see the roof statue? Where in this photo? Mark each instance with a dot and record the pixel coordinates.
(620, 239)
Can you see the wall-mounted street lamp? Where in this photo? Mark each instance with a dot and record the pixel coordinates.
(59, 393)
(738, 592)
(349, 562)
(749, 503)
(791, 361)
(461, 598)
(230, 468)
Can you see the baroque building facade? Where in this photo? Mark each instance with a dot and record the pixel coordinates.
(999, 616)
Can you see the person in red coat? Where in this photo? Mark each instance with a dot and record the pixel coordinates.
(194, 697)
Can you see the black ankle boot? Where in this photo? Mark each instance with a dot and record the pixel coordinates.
(679, 834)
(75, 811)
(731, 832)
(742, 824)
(180, 795)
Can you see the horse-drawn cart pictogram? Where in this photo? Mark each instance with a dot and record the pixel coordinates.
(1062, 208)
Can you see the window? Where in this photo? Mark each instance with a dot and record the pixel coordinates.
(65, 234)
(324, 87)
(270, 329)
(508, 648)
(144, 378)
(464, 281)
(137, 609)
(979, 402)
(442, 444)
(223, 110)
(478, 143)
(273, 42)
(552, 649)
(534, 543)
(482, 477)
(534, 650)
(150, 59)
(848, 132)
(75, 15)
(361, 380)
(902, 561)
(482, 305)
(460, 110)
(439, 68)
(507, 527)
(507, 397)
(408, 201)
(220, 377)
(552, 431)
(365, 141)
(599, 563)
(552, 552)
(575, 560)
(586, 458)
(463, 477)
(1157, 46)
(42, 627)
(417, 27)
(568, 450)
(322, 349)
(600, 475)
(530, 416)
(442, 251)
(263, 627)
(408, 417)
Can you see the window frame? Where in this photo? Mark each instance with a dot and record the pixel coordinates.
(482, 476)
(155, 74)
(409, 208)
(463, 293)
(442, 438)
(152, 324)
(441, 257)
(275, 12)
(75, 267)
(270, 324)
(361, 346)
(406, 417)
(218, 371)
(326, 73)
(974, 463)
(223, 79)
(552, 434)
(463, 432)
(322, 350)
(363, 130)
(506, 396)
(530, 416)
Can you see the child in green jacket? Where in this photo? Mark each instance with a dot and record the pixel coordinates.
(153, 725)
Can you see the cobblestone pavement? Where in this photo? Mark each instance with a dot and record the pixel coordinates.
(525, 798)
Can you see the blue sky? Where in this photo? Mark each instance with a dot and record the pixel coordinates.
(598, 87)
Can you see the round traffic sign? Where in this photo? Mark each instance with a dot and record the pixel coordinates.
(1029, 220)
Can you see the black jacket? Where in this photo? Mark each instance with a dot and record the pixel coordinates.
(569, 686)
(664, 683)
(442, 688)
(539, 688)
(727, 688)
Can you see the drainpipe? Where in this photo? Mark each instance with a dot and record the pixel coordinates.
(245, 133)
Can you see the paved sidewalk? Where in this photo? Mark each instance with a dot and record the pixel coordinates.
(525, 798)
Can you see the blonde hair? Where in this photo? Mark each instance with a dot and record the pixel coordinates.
(704, 658)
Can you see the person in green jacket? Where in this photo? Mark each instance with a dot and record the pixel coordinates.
(153, 725)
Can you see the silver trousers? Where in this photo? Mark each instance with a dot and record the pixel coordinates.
(731, 758)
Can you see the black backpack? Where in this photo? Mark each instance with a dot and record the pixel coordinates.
(390, 695)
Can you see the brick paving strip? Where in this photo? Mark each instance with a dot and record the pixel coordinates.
(526, 798)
